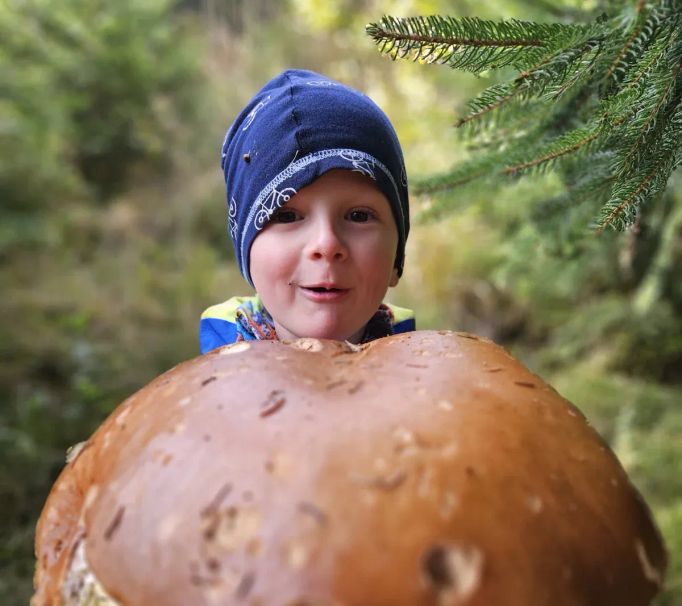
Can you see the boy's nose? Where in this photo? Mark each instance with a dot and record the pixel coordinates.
(327, 243)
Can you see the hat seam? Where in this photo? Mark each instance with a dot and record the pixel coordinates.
(295, 116)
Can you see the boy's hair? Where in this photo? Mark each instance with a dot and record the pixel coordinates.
(297, 127)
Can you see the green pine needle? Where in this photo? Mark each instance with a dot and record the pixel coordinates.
(470, 43)
(607, 89)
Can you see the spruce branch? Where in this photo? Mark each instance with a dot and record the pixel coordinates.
(558, 73)
(489, 100)
(584, 184)
(629, 42)
(632, 192)
(644, 122)
(607, 89)
(629, 194)
(469, 43)
(650, 59)
(582, 72)
(474, 169)
(569, 143)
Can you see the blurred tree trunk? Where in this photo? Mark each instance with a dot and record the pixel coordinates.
(652, 286)
(234, 14)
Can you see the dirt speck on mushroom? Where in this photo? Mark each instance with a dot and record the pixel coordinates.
(387, 482)
(114, 524)
(234, 348)
(453, 572)
(245, 586)
(274, 402)
(651, 573)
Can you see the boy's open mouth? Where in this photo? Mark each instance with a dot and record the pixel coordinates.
(323, 289)
(324, 292)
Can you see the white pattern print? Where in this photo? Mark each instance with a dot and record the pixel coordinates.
(362, 163)
(276, 199)
(321, 83)
(232, 218)
(223, 150)
(252, 114)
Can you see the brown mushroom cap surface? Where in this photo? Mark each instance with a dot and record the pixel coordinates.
(429, 468)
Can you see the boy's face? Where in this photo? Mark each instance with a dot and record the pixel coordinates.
(323, 263)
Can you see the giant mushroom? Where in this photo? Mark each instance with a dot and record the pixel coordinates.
(429, 468)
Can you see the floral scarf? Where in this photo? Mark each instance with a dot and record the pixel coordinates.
(254, 323)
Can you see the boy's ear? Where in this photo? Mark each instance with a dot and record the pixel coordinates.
(394, 278)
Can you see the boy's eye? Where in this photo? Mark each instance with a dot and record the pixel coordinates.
(284, 215)
(359, 216)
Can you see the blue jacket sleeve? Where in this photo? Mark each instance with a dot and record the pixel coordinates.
(404, 326)
(214, 332)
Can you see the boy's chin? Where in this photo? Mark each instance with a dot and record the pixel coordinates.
(334, 333)
(353, 337)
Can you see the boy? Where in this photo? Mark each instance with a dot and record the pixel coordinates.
(317, 213)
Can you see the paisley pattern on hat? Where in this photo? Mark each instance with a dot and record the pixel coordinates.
(321, 83)
(232, 217)
(361, 162)
(223, 150)
(254, 112)
(275, 200)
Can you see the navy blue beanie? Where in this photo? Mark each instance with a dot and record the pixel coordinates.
(297, 127)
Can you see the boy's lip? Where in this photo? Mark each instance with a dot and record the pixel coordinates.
(323, 292)
(325, 285)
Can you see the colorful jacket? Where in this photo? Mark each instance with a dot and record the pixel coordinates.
(218, 324)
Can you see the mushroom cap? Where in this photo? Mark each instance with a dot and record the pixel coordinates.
(429, 468)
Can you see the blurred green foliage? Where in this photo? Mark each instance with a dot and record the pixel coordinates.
(113, 239)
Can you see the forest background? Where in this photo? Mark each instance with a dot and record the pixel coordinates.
(113, 231)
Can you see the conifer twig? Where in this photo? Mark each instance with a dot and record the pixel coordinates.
(646, 68)
(454, 41)
(446, 185)
(654, 112)
(608, 94)
(508, 170)
(474, 116)
(616, 212)
(639, 7)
